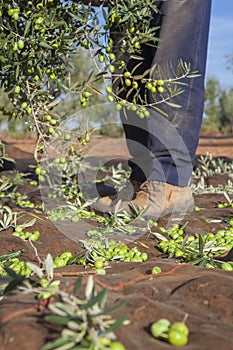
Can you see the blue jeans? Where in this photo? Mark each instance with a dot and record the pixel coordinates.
(163, 148)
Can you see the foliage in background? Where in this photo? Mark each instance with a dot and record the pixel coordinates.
(218, 108)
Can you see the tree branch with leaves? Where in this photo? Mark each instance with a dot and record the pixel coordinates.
(40, 39)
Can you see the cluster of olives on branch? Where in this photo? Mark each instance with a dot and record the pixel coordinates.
(22, 200)
(187, 247)
(33, 236)
(175, 334)
(98, 254)
(18, 266)
(226, 205)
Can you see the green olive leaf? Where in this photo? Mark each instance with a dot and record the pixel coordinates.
(38, 271)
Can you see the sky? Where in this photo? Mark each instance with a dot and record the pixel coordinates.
(220, 42)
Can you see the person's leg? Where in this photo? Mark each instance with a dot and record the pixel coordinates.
(169, 145)
(163, 148)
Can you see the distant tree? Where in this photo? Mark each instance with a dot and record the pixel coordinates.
(212, 95)
(226, 111)
(218, 107)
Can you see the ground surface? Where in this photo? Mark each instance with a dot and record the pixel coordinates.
(204, 294)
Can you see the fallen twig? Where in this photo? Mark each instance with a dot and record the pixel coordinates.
(74, 273)
(122, 285)
(41, 304)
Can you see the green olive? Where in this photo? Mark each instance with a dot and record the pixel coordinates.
(52, 76)
(181, 327)
(156, 270)
(44, 282)
(98, 264)
(17, 89)
(131, 29)
(51, 130)
(20, 44)
(110, 98)
(11, 11)
(24, 105)
(116, 346)
(112, 56)
(59, 262)
(109, 89)
(37, 170)
(53, 122)
(227, 266)
(128, 82)
(86, 94)
(111, 69)
(39, 20)
(137, 45)
(127, 74)
(15, 16)
(160, 327)
(160, 82)
(118, 106)
(177, 338)
(66, 255)
(41, 178)
(160, 89)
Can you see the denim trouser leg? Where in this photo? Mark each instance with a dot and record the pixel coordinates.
(163, 148)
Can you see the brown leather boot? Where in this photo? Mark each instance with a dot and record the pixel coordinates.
(160, 198)
(156, 198)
